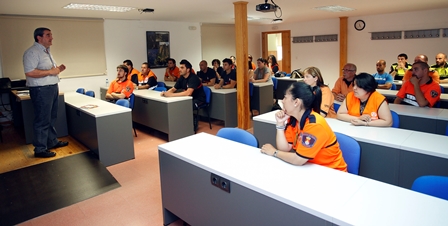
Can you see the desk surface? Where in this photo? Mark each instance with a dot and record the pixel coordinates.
(290, 79)
(408, 140)
(359, 200)
(386, 92)
(103, 108)
(25, 94)
(155, 95)
(431, 113)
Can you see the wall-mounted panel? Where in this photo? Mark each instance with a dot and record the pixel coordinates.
(432, 33)
(326, 38)
(386, 35)
(302, 39)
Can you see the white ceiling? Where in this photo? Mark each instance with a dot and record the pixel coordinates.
(212, 11)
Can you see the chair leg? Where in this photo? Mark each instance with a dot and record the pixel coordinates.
(196, 121)
(209, 122)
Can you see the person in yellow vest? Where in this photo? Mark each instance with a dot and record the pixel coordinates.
(441, 67)
(397, 70)
(432, 74)
(364, 106)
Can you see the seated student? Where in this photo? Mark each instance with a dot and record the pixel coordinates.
(434, 75)
(228, 76)
(383, 78)
(421, 90)
(251, 64)
(188, 84)
(364, 106)
(397, 70)
(147, 78)
(261, 74)
(121, 87)
(273, 64)
(218, 69)
(313, 77)
(303, 135)
(206, 74)
(131, 69)
(172, 71)
(344, 84)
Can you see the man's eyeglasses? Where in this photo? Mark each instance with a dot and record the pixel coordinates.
(347, 70)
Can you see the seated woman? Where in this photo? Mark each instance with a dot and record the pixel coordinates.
(313, 77)
(364, 106)
(273, 64)
(302, 134)
(261, 73)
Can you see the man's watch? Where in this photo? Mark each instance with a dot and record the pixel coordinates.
(275, 153)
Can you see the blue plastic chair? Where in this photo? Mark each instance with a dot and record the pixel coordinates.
(393, 87)
(442, 90)
(208, 96)
(446, 130)
(274, 80)
(251, 93)
(161, 84)
(336, 107)
(131, 106)
(80, 90)
(90, 93)
(395, 119)
(160, 88)
(437, 104)
(238, 135)
(123, 102)
(436, 186)
(351, 151)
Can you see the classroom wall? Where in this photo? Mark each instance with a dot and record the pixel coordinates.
(363, 51)
(126, 39)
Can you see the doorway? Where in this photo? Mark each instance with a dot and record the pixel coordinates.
(278, 43)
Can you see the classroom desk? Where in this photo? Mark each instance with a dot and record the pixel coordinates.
(399, 83)
(24, 115)
(223, 106)
(262, 99)
(429, 120)
(169, 84)
(283, 84)
(170, 115)
(105, 129)
(385, 152)
(263, 193)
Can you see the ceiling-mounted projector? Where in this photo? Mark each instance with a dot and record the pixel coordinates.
(266, 7)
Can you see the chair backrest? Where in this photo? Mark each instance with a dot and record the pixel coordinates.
(208, 94)
(336, 107)
(395, 119)
(160, 88)
(90, 93)
(160, 84)
(446, 130)
(351, 151)
(274, 80)
(238, 135)
(436, 186)
(251, 88)
(123, 102)
(393, 87)
(131, 100)
(80, 90)
(442, 90)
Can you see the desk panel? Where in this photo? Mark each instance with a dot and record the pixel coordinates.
(223, 106)
(262, 99)
(283, 83)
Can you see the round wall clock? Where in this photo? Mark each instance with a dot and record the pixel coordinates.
(360, 25)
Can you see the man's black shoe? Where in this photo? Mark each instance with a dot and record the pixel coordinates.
(45, 154)
(60, 144)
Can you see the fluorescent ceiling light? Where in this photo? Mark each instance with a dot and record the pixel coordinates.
(334, 8)
(120, 9)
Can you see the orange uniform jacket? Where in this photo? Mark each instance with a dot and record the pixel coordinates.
(372, 106)
(432, 74)
(174, 72)
(341, 87)
(134, 71)
(316, 142)
(430, 90)
(143, 79)
(327, 102)
(126, 87)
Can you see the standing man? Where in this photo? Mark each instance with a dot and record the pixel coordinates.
(397, 70)
(147, 78)
(172, 71)
(188, 84)
(421, 90)
(206, 74)
(42, 78)
(441, 67)
(421, 58)
(344, 84)
(228, 76)
(122, 87)
(383, 78)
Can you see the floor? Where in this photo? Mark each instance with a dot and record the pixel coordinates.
(137, 201)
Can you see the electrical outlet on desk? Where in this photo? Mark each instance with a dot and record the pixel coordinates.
(220, 182)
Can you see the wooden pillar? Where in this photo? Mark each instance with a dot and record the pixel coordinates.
(242, 81)
(342, 43)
